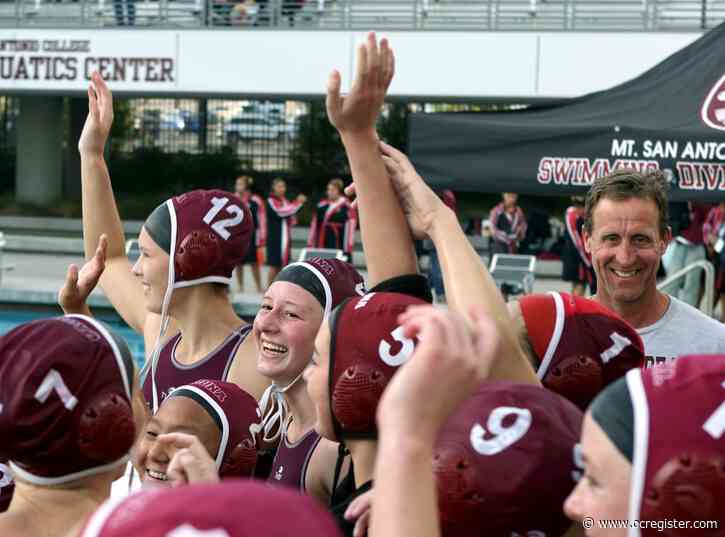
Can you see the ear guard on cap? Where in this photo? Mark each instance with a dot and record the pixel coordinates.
(106, 428)
(358, 390)
(458, 486)
(688, 487)
(197, 252)
(578, 378)
(240, 461)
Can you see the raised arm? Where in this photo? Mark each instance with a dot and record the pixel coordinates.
(79, 284)
(467, 280)
(100, 215)
(386, 239)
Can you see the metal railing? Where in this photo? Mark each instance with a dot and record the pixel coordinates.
(432, 15)
(709, 282)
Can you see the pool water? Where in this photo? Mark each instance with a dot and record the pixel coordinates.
(9, 320)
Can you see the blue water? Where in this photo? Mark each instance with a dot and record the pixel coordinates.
(9, 320)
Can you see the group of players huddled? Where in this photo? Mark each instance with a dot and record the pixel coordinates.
(345, 409)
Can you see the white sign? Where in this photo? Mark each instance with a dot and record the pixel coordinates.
(65, 60)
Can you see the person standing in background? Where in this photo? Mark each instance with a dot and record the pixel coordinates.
(256, 206)
(334, 221)
(713, 233)
(576, 262)
(280, 219)
(687, 248)
(508, 225)
(435, 278)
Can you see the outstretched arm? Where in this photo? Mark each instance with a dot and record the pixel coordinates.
(466, 279)
(385, 236)
(100, 215)
(79, 284)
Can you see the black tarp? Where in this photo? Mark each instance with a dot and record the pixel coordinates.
(672, 117)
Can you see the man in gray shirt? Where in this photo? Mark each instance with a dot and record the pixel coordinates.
(626, 233)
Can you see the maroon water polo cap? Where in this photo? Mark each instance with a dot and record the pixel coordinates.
(65, 388)
(330, 281)
(233, 508)
(367, 346)
(504, 462)
(580, 345)
(206, 234)
(236, 414)
(678, 458)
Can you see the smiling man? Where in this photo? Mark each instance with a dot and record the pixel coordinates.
(626, 233)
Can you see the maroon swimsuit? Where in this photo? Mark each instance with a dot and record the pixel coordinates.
(170, 374)
(291, 461)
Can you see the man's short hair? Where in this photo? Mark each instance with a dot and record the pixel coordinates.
(624, 184)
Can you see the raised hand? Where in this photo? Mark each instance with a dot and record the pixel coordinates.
(100, 117)
(190, 461)
(452, 359)
(80, 283)
(357, 112)
(419, 203)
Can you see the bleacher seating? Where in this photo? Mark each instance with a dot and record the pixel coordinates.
(449, 15)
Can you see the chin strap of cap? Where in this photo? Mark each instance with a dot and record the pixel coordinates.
(275, 410)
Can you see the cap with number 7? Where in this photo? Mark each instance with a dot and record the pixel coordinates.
(65, 399)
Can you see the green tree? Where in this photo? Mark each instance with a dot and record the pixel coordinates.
(318, 154)
(393, 125)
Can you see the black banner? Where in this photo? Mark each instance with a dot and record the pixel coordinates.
(672, 118)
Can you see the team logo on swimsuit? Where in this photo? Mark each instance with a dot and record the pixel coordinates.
(713, 109)
(279, 473)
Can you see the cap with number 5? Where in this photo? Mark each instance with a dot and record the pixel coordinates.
(504, 462)
(65, 399)
(234, 508)
(366, 348)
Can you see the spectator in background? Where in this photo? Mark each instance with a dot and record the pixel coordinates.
(687, 248)
(280, 219)
(713, 232)
(508, 225)
(334, 221)
(435, 278)
(626, 232)
(257, 208)
(130, 12)
(576, 262)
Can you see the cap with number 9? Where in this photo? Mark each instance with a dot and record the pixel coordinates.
(65, 399)
(504, 462)
(366, 348)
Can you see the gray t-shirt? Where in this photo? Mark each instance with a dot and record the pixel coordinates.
(682, 330)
